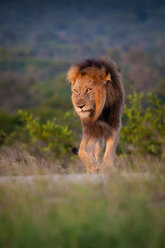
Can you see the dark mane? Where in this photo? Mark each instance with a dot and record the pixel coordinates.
(113, 108)
(98, 63)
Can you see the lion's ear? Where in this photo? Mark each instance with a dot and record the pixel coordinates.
(72, 74)
(107, 78)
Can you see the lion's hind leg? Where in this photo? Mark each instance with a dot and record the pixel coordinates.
(87, 154)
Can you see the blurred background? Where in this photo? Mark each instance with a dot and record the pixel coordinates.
(39, 40)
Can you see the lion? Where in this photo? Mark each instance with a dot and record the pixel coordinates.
(98, 99)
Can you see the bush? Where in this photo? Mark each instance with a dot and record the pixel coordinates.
(143, 130)
(52, 136)
(7, 125)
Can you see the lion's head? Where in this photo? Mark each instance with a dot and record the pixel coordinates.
(89, 87)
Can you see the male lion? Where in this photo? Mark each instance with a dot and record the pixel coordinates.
(98, 98)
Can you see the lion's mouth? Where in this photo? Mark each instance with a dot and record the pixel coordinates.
(84, 113)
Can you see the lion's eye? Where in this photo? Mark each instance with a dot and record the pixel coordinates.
(75, 91)
(88, 90)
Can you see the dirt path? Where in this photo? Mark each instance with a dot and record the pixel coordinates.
(75, 178)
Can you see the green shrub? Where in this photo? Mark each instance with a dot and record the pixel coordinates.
(142, 132)
(7, 125)
(143, 128)
(52, 136)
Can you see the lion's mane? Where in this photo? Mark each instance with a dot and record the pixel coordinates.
(102, 71)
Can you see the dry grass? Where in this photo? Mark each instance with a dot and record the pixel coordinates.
(127, 209)
(18, 161)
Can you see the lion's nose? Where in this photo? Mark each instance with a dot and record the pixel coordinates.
(81, 106)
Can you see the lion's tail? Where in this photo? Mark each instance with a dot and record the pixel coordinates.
(75, 150)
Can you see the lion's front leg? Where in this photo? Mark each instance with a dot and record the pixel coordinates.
(98, 148)
(110, 151)
(87, 154)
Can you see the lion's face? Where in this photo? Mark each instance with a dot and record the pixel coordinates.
(88, 97)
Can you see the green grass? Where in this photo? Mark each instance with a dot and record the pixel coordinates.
(126, 210)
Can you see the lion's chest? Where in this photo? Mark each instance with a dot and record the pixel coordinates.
(99, 129)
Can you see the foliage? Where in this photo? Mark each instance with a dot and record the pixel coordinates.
(7, 125)
(143, 128)
(52, 136)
